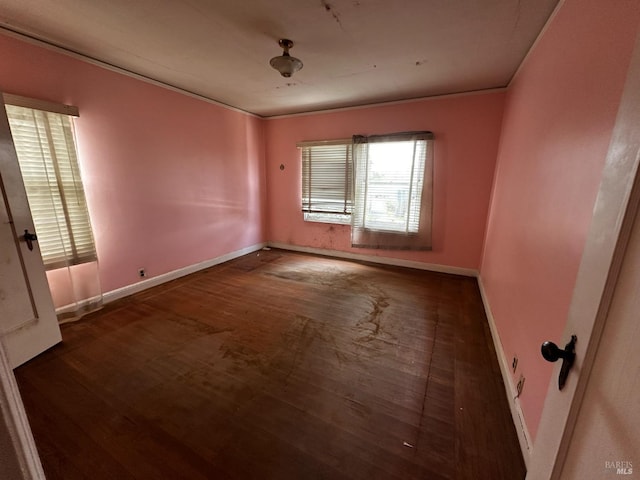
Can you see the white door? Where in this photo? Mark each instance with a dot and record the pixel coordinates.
(603, 282)
(28, 323)
(606, 438)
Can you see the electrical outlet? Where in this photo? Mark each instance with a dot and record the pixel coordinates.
(142, 273)
(520, 386)
(514, 364)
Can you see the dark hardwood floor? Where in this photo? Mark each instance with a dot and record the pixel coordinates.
(278, 365)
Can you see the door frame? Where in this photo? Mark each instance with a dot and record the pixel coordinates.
(615, 209)
(15, 425)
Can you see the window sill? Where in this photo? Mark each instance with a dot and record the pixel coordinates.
(333, 218)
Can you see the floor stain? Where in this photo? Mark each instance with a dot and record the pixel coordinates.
(374, 323)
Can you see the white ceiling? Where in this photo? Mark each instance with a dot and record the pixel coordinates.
(354, 51)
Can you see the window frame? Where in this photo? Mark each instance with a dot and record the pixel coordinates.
(418, 238)
(54, 173)
(370, 190)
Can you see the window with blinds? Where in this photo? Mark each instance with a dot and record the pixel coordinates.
(390, 182)
(393, 191)
(327, 178)
(45, 145)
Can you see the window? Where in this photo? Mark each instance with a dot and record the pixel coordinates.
(393, 191)
(391, 186)
(327, 176)
(381, 185)
(45, 145)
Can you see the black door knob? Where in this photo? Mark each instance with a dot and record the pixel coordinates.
(552, 353)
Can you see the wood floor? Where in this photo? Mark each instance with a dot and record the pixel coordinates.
(278, 365)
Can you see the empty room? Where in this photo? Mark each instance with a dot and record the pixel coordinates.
(319, 239)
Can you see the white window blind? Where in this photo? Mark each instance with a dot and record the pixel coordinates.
(327, 170)
(45, 145)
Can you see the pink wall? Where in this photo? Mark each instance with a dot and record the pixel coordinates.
(558, 121)
(171, 180)
(466, 129)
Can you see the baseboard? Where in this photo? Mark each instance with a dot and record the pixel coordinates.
(396, 262)
(510, 389)
(167, 277)
(181, 272)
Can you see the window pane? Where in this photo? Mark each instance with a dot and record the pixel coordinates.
(394, 186)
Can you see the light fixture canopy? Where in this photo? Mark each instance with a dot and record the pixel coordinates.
(285, 63)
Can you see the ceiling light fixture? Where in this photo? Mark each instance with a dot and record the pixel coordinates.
(285, 63)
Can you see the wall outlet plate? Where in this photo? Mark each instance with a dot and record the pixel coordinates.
(142, 273)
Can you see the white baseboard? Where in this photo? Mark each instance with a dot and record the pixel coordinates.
(181, 272)
(510, 389)
(396, 262)
(167, 277)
